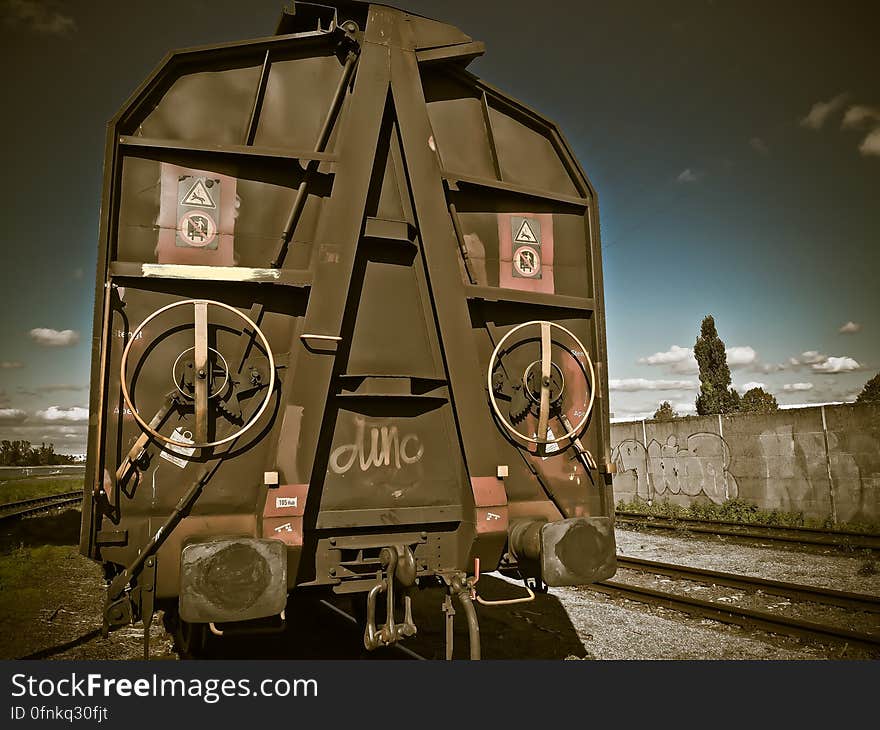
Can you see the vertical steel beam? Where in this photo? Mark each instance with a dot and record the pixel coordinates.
(336, 244)
(439, 243)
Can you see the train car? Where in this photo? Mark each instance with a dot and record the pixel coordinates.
(349, 335)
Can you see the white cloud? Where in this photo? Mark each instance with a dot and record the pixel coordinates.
(54, 338)
(673, 355)
(821, 363)
(682, 360)
(12, 416)
(836, 365)
(633, 385)
(821, 111)
(741, 356)
(850, 328)
(689, 176)
(858, 115)
(684, 408)
(679, 359)
(54, 414)
(871, 144)
(746, 387)
(797, 387)
(68, 439)
(759, 145)
(38, 16)
(10, 365)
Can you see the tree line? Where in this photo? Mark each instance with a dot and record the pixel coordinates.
(21, 453)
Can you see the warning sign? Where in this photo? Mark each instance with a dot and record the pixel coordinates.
(197, 228)
(527, 262)
(198, 211)
(525, 252)
(199, 195)
(526, 234)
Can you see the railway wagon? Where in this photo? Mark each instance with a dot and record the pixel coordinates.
(349, 335)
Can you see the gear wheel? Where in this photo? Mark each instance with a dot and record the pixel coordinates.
(519, 404)
(230, 406)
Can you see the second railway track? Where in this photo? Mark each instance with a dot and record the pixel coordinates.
(847, 539)
(38, 505)
(772, 622)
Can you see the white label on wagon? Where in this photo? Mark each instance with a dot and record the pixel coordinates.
(182, 436)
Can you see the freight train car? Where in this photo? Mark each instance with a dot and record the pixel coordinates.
(348, 336)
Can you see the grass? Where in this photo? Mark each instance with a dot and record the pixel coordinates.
(737, 510)
(25, 571)
(19, 489)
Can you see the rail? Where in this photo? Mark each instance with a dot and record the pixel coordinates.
(771, 533)
(741, 616)
(37, 505)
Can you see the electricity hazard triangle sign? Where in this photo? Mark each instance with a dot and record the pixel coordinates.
(526, 234)
(199, 196)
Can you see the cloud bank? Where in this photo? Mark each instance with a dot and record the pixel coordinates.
(54, 338)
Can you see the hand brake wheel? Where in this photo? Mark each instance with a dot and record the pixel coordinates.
(543, 383)
(201, 376)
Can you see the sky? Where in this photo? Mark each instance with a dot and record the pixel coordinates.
(734, 146)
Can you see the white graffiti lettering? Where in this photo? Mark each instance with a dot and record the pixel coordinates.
(386, 448)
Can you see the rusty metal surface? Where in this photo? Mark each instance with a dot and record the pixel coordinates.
(383, 218)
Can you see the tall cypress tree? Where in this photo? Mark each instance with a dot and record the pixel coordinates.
(716, 395)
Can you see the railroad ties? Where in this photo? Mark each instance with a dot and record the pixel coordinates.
(775, 623)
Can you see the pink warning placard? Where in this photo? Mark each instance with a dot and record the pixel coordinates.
(196, 226)
(525, 252)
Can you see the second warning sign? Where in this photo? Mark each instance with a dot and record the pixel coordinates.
(198, 212)
(525, 251)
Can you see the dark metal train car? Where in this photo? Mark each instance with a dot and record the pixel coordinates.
(349, 334)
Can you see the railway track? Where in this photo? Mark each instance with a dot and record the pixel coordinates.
(848, 539)
(747, 617)
(37, 505)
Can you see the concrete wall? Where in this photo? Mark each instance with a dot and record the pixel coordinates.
(822, 461)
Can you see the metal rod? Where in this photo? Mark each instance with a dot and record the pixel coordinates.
(462, 245)
(258, 101)
(323, 137)
(142, 440)
(490, 135)
(328, 338)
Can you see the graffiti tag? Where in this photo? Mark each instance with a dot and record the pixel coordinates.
(699, 466)
(383, 446)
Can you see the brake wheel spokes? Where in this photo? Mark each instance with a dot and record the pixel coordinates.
(544, 411)
(201, 370)
(202, 376)
(547, 393)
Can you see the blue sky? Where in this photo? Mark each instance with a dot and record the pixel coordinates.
(735, 147)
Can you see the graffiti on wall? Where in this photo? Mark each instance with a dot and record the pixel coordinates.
(699, 466)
